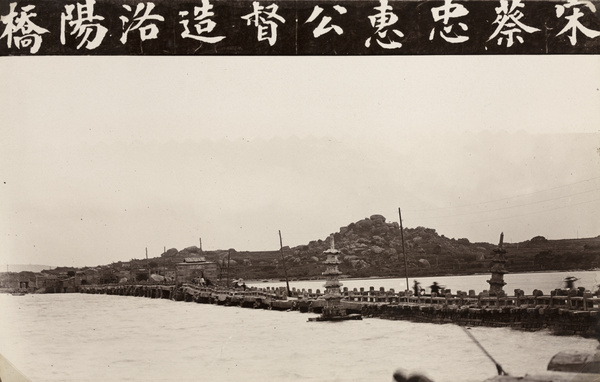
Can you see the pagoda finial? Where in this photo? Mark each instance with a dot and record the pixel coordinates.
(332, 242)
(501, 239)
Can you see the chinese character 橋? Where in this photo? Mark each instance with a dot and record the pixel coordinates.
(264, 19)
(509, 23)
(382, 22)
(203, 24)
(324, 25)
(83, 24)
(21, 30)
(444, 14)
(147, 32)
(574, 24)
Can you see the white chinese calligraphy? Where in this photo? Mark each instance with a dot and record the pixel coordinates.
(265, 20)
(299, 27)
(574, 24)
(147, 32)
(382, 22)
(204, 24)
(509, 23)
(21, 30)
(324, 25)
(444, 14)
(83, 25)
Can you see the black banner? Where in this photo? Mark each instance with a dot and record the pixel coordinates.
(283, 27)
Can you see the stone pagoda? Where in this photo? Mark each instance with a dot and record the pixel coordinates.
(333, 295)
(333, 311)
(498, 270)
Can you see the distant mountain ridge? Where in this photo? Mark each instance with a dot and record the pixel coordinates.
(372, 247)
(23, 267)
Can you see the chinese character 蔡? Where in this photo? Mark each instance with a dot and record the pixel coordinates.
(444, 14)
(83, 25)
(574, 24)
(148, 31)
(203, 24)
(264, 19)
(324, 25)
(509, 23)
(382, 22)
(21, 30)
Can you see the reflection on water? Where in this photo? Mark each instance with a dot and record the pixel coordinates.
(80, 337)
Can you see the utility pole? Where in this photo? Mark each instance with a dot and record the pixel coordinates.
(147, 264)
(403, 251)
(287, 283)
(228, 259)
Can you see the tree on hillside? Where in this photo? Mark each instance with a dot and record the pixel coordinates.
(542, 259)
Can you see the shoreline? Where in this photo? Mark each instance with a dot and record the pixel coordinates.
(266, 281)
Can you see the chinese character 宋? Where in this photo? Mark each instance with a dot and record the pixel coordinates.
(574, 24)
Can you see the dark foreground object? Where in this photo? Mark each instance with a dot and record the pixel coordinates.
(563, 367)
(346, 317)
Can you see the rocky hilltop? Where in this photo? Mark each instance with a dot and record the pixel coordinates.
(373, 247)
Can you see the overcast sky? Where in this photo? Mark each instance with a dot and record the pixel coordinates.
(102, 157)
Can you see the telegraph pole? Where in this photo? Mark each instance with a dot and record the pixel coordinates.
(228, 259)
(403, 251)
(287, 283)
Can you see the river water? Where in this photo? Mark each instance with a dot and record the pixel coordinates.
(80, 337)
(544, 281)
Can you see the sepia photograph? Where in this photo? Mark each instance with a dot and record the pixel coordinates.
(297, 207)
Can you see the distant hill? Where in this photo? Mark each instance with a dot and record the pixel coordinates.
(373, 247)
(23, 267)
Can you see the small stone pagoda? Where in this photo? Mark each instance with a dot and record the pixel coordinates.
(333, 295)
(333, 311)
(498, 270)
